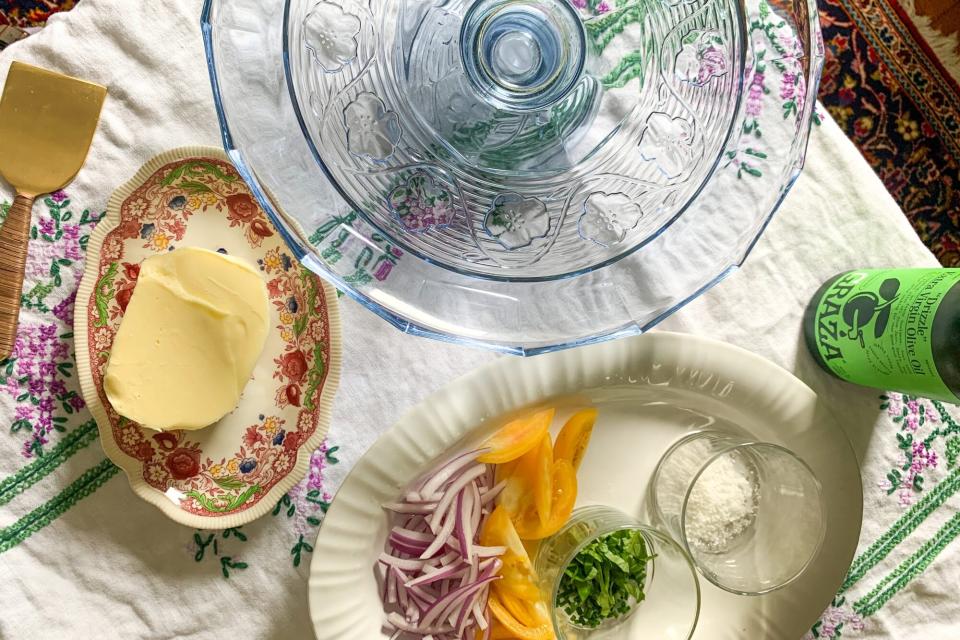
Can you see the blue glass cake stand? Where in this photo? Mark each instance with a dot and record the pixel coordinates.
(521, 175)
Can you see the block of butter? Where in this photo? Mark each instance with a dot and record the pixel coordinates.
(189, 340)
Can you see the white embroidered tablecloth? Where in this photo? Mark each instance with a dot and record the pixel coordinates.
(81, 556)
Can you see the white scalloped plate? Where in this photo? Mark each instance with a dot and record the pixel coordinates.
(650, 390)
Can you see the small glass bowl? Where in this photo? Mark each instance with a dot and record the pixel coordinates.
(671, 607)
(769, 547)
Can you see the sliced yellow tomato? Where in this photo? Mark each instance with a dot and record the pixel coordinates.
(513, 626)
(564, 479)
(517, 438)
(499, 632)
(519, 585)
(532, 481)
(523, 610)
(505, 470)
(517, 575)
(574, 438)
(528, 485)
(515, 495)
(543, 490)
(498, 531)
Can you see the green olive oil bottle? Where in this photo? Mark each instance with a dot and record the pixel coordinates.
(893, 329)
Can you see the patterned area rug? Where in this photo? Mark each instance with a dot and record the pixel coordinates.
(888, 82)
(888, 88)
(31, 13)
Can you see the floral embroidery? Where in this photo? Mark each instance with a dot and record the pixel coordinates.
(420, 204)
(331, 35)
(922, 426)
(594, 7)
(372, 131)
(303, 506)
(36, 376)
(668, 141)
(39, 374)
(702, 57)
(786, 58)
(515, 221)
(374, 260)
(308, 501)
(835, 619)
(608, 217)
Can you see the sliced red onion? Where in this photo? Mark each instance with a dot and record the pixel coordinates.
(466, 611)
(411, 534)
(451, 492)
(413, 550)
(442, 536)
(407, 564)
(434, 481)
(401, 623)
(451, 600)
(408, 507)
(475, 507)
(464, 529)
(478, 614)
(492, 562)
(448, 572)
(391, 588)
(422, 594)
(404, 600)
(434, 574)
(482, 552)
(410, 542)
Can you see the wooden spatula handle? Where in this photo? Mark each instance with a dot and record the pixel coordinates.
(14, 235)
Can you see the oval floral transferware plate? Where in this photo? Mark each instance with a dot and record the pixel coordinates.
(234, 471)
(650, 391)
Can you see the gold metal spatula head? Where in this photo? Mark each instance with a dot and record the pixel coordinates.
(47, 121)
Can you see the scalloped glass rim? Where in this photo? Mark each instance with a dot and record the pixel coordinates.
(815, 52)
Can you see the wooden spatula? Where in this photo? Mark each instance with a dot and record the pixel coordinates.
(47, 121)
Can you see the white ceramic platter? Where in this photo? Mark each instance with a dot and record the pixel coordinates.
(650, 391)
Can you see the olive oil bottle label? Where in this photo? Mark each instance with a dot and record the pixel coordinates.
(874, 328)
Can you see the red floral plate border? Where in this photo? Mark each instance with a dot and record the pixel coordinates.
(235, 471)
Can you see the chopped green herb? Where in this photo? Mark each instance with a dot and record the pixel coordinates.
(606, 579)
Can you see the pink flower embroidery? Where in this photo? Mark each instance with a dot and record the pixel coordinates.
(755, 95)
(420, 204)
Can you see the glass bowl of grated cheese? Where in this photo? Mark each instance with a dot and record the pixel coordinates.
(750, 514)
